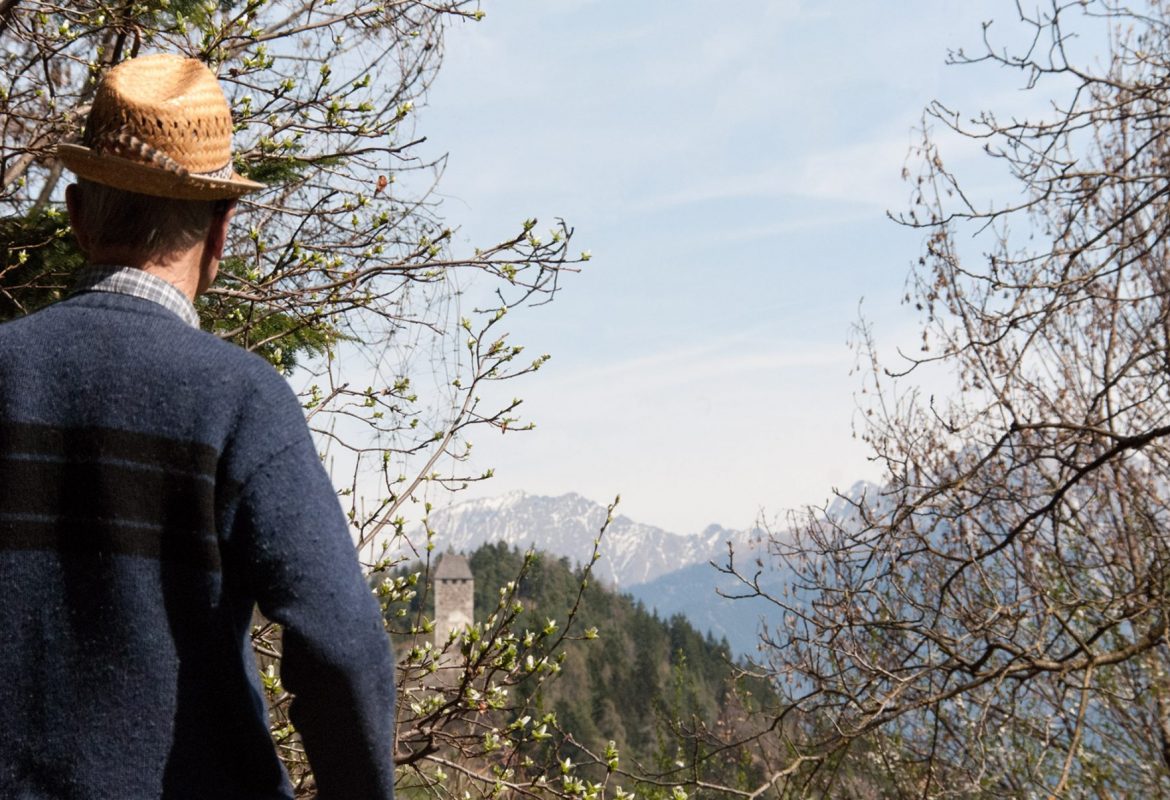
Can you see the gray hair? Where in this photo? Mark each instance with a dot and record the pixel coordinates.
(152, 226)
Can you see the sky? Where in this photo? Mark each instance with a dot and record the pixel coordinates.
(730, 167)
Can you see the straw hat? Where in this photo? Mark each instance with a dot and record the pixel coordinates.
(159, 125)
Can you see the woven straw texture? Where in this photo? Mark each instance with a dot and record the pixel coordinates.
(159, 125)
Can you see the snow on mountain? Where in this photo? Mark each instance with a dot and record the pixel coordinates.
(567, 526)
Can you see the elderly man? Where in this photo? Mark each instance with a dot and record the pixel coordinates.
(156, 484)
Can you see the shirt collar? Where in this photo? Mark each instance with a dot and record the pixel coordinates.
(137, 283)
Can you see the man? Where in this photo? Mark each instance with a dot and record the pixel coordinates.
(155, 484)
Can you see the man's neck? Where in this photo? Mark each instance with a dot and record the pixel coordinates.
(181, 269)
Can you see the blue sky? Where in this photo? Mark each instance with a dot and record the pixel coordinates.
(729, 166)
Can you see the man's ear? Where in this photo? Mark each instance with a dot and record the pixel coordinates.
(217, 234)
(73, 203)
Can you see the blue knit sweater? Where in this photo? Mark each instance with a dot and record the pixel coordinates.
(155, 484)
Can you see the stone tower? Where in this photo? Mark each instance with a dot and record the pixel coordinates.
(454, 596)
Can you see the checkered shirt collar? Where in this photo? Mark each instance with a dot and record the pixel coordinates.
(135, 282)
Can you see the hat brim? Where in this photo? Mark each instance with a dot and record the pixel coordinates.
(134, 176)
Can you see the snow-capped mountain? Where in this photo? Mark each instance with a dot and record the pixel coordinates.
(669, 573)
(567, 526)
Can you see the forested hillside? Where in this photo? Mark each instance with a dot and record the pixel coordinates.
(629, 678)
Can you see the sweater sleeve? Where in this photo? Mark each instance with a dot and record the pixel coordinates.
(293, 545)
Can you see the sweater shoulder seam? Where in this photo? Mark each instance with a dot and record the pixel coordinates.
(260, 466)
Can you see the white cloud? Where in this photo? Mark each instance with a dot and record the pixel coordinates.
(865, 173)
(748, 351)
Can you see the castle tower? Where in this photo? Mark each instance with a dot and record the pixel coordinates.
(454, 596)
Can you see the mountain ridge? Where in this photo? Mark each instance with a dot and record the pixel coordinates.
(567, 526)
(669, 573)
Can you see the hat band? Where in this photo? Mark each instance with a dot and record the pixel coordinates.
(224, 173)
(124, 143)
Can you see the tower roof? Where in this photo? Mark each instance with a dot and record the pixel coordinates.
(453, 567)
